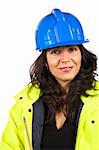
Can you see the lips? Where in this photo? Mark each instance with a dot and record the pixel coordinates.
(66, 69)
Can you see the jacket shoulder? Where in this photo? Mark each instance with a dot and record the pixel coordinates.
(95, 90)
(93, 94)
(29, 93)
(97, 85)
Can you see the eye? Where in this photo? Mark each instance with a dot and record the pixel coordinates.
(55, 51)
(71, 49)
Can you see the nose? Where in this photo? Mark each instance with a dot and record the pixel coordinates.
(65, 57)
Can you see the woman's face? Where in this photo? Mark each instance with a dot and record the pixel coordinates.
(64, 63)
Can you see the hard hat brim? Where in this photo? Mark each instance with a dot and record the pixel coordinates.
(63, 44)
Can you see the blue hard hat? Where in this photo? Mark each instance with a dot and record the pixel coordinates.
(59, 29)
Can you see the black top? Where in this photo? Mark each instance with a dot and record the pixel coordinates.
(48, 137)
(60, 139)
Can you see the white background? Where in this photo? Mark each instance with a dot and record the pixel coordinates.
(18, 20)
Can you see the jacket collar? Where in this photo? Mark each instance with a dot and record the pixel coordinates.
(32, 93)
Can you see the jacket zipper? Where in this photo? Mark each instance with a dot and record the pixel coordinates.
(27, 133)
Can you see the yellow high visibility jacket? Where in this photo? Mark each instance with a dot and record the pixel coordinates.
(18, 131)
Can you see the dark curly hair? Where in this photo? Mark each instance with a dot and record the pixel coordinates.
(53, 95)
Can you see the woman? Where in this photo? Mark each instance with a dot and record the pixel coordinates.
(59, 109)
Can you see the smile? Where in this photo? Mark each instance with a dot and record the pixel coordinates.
(66, 69)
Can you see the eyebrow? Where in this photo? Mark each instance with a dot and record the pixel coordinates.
(68, 46)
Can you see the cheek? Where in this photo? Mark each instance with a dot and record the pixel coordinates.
(78, 58)
(52, 65)
(49, 63)
(52, 62)
(79, 63)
